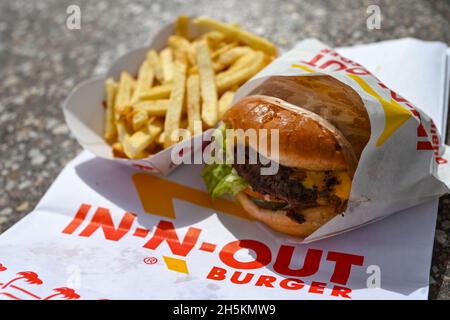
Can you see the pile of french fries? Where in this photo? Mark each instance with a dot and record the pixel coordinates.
(182, 90)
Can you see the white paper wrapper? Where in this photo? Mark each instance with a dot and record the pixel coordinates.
(85, 115)
(402, 165)
(67, 254)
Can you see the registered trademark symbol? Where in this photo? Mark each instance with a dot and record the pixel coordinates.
(150, 260)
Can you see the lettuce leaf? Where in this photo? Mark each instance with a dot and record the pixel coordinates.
(221, 178)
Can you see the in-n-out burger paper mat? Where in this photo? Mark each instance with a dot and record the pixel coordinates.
(106, 231)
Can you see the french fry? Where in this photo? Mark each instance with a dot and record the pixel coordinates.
(135, 144)
(154, 130)
(235, 33)
(117, 150)
(207, 85)
(155, 64)
(110, 127)
(229, 57)
(243, 61)
(182, 26)
(126, 114)
(217, 66)
(184, 123)
(122, 130)
(225, 102)
(158, 92)
(140, 118)
(193, 101)
(180, 56)
(181, 45)
(152, 107)
(144, 82)
(214, 39)
(166, 57)
(161, 139)
(240, 63)
(237, 77)
(157, 122)
(124, 92)
(223, 49)
(174, 111)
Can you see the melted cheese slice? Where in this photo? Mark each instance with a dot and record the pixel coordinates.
(317, 179)
(343, 188)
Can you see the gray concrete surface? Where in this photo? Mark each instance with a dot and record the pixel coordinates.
(41, 61)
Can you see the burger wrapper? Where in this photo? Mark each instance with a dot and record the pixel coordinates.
(85, 115)
(403, 163)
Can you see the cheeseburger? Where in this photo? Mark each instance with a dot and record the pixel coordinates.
(322, 128)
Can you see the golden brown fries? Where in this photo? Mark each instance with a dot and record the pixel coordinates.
(182, 26)
(207, 85)
(166, 57)
(225, 102)
(153, 107)
(182, 47)
(238, 34)
(193, 101)
(240, 75)
(229, 57)
(223, 49)
(110, 94)
(155, 64)
(134, 146)
(140, 119)
(214, 39)
(187, 85)
(122, 130)
(174, 111)
(124, 92)
(144, 82)
(159, 92)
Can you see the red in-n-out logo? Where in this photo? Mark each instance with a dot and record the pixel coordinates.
(230, 269)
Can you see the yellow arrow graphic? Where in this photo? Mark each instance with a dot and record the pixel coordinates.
(395, 114)
(156, 195)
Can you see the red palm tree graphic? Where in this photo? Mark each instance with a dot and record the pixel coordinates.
(25, 291)
(66, 293)
(9, 295)
(29, 277)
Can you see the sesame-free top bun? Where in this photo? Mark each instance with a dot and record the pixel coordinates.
(279, 220)
(306, 140)
(332, 100)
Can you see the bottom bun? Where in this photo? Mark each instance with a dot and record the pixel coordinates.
(279, 221)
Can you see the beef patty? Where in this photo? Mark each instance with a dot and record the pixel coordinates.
(286, 185)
